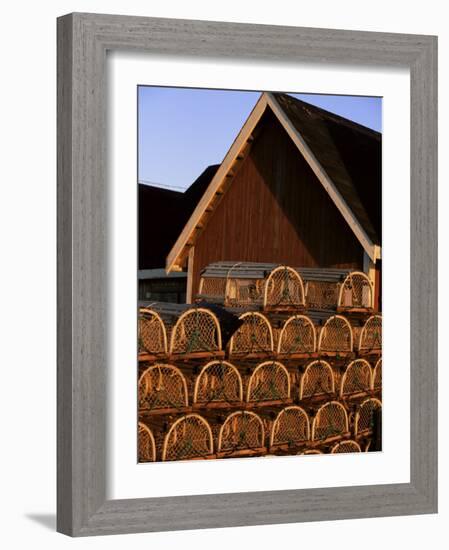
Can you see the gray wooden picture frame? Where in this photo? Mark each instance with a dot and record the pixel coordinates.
(83, 40)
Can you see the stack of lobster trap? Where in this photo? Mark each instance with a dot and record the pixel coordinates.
(269, 360)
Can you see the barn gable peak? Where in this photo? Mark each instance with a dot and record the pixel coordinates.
(303, 124)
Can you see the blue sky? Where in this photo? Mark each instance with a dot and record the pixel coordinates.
(184, 130)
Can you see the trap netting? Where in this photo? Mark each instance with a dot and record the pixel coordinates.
(356, 379)
(218, 381)
(336, 335)
(147, 446)
(371, 334)
(213, 289)
(346, 447)
(244, 292)
(365, 417)
(270, 381)
(322, 294)
(291, 427)
(297, 336)
(189, 437)
(330, 420)
(317, 380)
(241, 430)
(254, 335)
(162, 386)
(152, 333)
(356, 291)
(196, 330)
(377, 376)
(283, 288)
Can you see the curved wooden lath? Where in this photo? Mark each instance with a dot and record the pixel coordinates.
(371, 334)
(161, 386)
(270, 381)
(376, 381)
(336, 335)
(298, 335)
(218, 381)
(330, 420)
(189, 437)
(283, 287)
(147, 445)
(255, 335)
(152, 332)
(241, 430)
(364, 416)
(356, 379)
(196, 330)
(291, 427)
(348, 446)
(317, 379)
(356, 291)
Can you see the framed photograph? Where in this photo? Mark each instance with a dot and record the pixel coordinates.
(247, 274)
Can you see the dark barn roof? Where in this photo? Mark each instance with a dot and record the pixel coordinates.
(162, 215)
(350, 153)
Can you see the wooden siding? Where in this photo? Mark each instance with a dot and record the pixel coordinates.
(378, 286)
(275, 210)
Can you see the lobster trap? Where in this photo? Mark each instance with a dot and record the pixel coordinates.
(283, 289)
(348, 446)
(367, 417)
(376, 383)
(219, 382)
(297, 337)
(196, 330)
(152, 333)
(242, 432)
(270, 381)
(317, 381)
(322, 286)
(290, 428)
(189, 437)
(251, 284)
(370, 340)
(254, 337)
(162, 387)
(357, 379)
(146, 444)
(311, 452)
(336, 336)
(356, 292)
(191, 330)
(330, 422)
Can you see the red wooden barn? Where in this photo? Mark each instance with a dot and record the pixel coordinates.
(299, 186)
